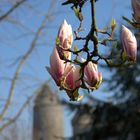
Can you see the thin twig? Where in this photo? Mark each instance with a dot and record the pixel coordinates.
(18, 114)
(5, 15)
(21, 63)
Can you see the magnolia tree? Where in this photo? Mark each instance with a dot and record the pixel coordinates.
(72, 74)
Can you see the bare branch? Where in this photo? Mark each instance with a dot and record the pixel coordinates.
(23, 60)
(11, 9)
(18, 114)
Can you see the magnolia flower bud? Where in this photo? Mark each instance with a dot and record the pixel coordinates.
(71, 80)
(92, 77)
(136, 9)
(65, 39)
(129, 43)
(57, 67)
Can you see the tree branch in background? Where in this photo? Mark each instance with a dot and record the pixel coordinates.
(24, 59)
(9, 122)
(11, 9)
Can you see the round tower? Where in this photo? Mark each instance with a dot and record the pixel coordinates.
(48, 116)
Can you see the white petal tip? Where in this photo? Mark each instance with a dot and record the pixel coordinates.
(65, 22)
(123, 26)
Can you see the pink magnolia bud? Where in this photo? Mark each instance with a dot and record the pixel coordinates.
(57, 67)
(65, 38)
(136, 9)
(92, 77)
(71, 80)
(129, 43)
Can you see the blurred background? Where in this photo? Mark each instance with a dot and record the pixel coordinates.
(31, 105)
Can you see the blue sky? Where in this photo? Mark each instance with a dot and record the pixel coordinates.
(15, 41)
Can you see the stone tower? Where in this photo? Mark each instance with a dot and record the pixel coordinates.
(48, 116)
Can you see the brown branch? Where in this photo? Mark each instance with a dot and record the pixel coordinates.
(93, 25)
(104, 32)
(11, 9)
(18, 114)
(22, 61)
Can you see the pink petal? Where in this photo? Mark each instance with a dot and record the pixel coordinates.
(129, 43)
(72, 79)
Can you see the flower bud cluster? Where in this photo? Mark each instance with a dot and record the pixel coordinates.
(67, 75)
(71, 75)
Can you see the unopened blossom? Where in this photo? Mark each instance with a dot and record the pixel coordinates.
(136, 9)
(129, 43)
(71, 81)
(64, 74)
(57, 67)
(92, 77)
(64, 40)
